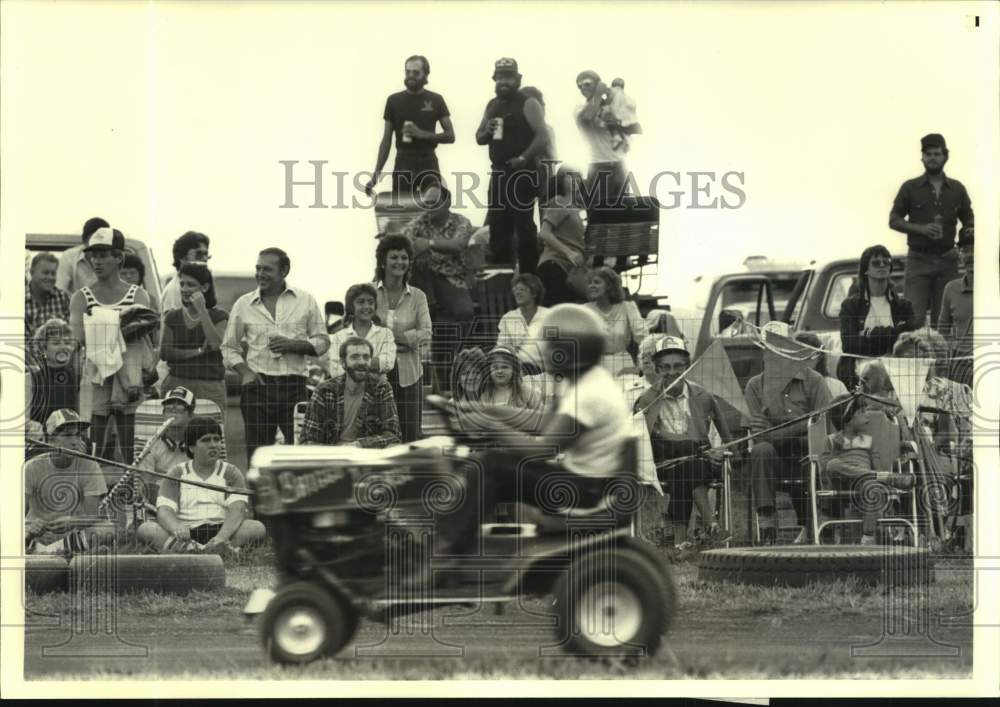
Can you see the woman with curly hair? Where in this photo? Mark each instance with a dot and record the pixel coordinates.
(403, 309)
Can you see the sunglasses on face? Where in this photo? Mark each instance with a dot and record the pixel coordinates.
(880, 260)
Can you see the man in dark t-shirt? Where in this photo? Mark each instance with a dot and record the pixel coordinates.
(412, 116)
(513, 126)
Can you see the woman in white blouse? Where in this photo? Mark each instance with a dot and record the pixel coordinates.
(623, 323)
(361, 320)
(521, 329)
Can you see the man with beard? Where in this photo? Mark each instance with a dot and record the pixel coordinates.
(412, 115)
(356, 408)
(513, 126)
(926, 210)
(280, 325)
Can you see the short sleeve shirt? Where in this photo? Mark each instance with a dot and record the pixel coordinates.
(55, 493)
(567, 226)
(195, 505)
(423, 109)
(595, 401)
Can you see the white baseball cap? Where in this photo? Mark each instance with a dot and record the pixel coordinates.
(670, 344)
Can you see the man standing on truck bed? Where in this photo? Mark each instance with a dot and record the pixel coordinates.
(926, 210)
(513, 126)
(412, 115)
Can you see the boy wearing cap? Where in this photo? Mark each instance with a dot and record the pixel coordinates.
(74, 269)
(955, 321)
(678, 415)
(926, 209)
(167, 451)
(62, 492)
(112, 376)
(191, 518)
(513, 126)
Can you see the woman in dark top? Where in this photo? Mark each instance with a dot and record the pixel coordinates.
(872, 318)
(192, 336)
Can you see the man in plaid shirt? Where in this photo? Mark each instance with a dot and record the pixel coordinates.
(355, 408)
(42, 299)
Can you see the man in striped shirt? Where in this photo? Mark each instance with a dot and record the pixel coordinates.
(192, 518)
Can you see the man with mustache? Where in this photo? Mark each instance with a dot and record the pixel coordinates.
(513, 126)
(926, 209)
(356, 408)
(412, 116)
(280, 325)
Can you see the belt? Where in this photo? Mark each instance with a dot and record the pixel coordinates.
(285, 378)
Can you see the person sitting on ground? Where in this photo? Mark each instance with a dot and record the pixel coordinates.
(133, 271)
(62, 492)
(356, 408)
(192, 338)
(678, 415)
(54, 380)
(168, 450)
(561, 266)
(191, 518)
(872, 318)
(835, 385)
(360, 321)
(468, 375)
(848, 460)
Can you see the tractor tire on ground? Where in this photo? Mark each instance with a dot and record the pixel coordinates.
(166, 574)
(46, 573)
(305, 621)
(613, 607)
(797, 565)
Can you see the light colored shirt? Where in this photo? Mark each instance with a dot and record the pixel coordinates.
(622, 324)
(879, 313)
(171, 297)
(675, 413)
(595, 401)
(410, 323)
(525, 338)
(383, 348)
(600, 140)
(56, 494)
(195, 505)
(74, 271)
(297, 316)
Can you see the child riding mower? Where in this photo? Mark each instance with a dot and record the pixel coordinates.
(351, 527)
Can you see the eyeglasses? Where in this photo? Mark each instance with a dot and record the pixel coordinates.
(880, 260)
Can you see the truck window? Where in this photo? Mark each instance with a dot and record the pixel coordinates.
(839, 288)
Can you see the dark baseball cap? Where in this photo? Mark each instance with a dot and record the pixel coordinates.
(505, 66)
(933, 140)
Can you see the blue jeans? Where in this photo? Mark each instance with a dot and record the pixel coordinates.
(926, 276)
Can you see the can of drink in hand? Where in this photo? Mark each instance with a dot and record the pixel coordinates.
(498, 129)
(406, 136)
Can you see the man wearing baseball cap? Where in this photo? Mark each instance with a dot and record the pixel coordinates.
(927, 209)
(678, 414)
(955, 321)
(74, 269)
(62, 492)
(168, 450)
(513, 126)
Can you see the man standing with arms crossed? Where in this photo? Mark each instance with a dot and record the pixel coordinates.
(412, 115)
(513, 126)
(280, 325)
(926, 210)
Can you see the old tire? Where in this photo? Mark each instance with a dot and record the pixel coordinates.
(796, 565)
(165, 574)
(617, 608)
(304, 622)
(46, 573)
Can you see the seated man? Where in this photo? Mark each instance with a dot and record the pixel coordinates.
(355, 408)
(849, 462)
(62, 493)
(168, 450)
(191, 518)
(678, 418)
(588, 424)
(773, 397)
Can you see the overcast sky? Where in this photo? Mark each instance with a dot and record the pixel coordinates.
(164, 117)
